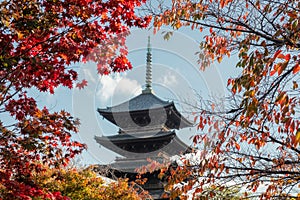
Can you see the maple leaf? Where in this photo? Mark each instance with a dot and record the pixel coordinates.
(82, 84)
(296, 68)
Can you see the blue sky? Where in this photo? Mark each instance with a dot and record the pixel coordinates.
(176, 76)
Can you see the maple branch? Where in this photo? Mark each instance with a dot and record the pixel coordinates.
(259, 158)
(283, 144)
(276, 83)
(264, 171)
(248, 29)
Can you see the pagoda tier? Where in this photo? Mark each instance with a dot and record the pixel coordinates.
(144, 144)
(145, 112)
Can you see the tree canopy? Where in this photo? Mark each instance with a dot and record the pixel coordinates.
(40, 40)
(252, 138)
(75, 183)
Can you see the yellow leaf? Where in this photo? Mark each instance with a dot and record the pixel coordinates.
(64, 56)
(6, 22)
(38, 113)
(297, 139)
(20, 35)
(178, 25)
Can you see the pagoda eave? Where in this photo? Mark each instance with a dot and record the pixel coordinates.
(168, 117)
(125, 144)
(130, 146)
(175, 114)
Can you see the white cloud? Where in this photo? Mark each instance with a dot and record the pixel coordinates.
(108, 85)
(128, 87)
(89, 75)
(117, 87)
(169, 80)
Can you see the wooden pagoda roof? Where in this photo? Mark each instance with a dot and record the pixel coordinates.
(144, 144)
(140, 106)
(144, 101)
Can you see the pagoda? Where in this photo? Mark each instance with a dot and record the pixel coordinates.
(147, 127)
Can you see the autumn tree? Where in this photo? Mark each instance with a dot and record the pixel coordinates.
(252, 139)
(80, 184)
(40, 40)
(84, 184)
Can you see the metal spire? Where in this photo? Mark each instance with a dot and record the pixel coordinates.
(148, 88)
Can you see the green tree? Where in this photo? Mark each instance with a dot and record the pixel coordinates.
(254, 135)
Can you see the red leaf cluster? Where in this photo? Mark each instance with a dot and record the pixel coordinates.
(39, 42)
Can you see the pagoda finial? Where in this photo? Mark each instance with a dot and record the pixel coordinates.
(148, 88)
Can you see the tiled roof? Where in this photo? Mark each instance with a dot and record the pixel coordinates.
(144, 101)
(143, 135)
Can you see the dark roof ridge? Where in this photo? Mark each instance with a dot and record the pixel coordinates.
(143, 101)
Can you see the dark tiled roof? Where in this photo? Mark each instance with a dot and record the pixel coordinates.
(144, 101)
(166, 142)
(144, 135)
(143, 144)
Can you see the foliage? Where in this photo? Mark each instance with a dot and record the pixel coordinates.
(84, 185)
(216, 193)
(66, 184)
(40, 40)
(253, 136)
(225, 193)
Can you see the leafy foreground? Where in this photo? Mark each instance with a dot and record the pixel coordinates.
(40, 41)
(67, 184)
(250, 138)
